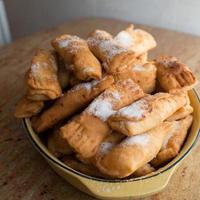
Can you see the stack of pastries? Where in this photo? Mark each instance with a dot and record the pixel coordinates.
(104, 108)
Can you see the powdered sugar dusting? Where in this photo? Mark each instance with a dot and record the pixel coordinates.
(72, 43)
(88, 85)
(116, 95)
(111, 48)
(131, 85)
(171, 133)
(139, 68)
(124, 39)
(100, 34)
(101, 108)
(105, 147)
(36, 67)
(67, 41)
(136, 110)
(106, 43)
(42, 67)
(63, 43)
(142, 139)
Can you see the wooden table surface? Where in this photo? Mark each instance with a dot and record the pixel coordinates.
(24, 174)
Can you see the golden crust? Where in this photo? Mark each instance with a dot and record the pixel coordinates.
(42, 77)
(143, 74)
(173, 141)
(146, 113)
(86, 132)
(133, 152)
(107, 124)
(27, 108)
(75, 52)
(114, 57)
(183, 112)
(173, 75)
(109, 142)
(72, 101)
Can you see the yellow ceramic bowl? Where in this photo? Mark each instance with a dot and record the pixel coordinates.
(121, 189)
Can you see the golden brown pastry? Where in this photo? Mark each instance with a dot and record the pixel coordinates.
(72, 101)
(133, 152)
(108, 143)
(57, 146)
(26, 108)
(87, 169)
(75, 52)
(143, 74)
(146, 113)
(182, 112)
(173, 75)
(143, 171)
(173, 141)
(86, 132)
(42, 79)
(136, 40)
(114, 57)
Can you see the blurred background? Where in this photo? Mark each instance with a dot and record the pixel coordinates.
(19, 18)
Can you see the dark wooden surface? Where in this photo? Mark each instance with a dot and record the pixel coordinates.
(24, 174)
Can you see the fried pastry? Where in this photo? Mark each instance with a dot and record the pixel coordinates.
(146, 113)
(143, 171)
(86, 132)
(75, 52)
(87, 169)
(42, 79)
(57, 146)
(114, 57)
(136, 40)
(133, 152)
(143, 74)
(72, 101)
(173, 75)
(108, 143)
(173, 141)
(182, 112)
(26, 108)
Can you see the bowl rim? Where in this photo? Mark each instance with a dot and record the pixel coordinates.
(65, 167)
